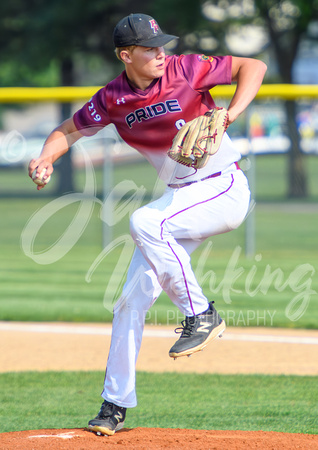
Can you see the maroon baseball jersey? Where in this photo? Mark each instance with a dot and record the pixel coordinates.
(148, 120)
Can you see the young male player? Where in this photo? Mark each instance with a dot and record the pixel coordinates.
(148, 103)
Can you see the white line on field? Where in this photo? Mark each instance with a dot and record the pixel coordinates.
(92, 330)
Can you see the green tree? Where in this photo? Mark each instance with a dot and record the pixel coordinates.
(287, 23)
(40, 40)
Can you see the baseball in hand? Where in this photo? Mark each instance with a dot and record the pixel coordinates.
(39, 180)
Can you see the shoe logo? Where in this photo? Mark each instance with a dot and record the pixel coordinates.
(204, 327)
(118, 416)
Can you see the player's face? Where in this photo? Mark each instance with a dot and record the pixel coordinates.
(145, 65)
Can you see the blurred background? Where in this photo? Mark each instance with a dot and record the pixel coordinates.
(58, 43)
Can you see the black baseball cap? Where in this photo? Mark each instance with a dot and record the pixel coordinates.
(140, 29)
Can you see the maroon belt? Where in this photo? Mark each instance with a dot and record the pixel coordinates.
(214, 175)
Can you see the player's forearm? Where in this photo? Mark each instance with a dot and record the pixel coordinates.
(248, 74)
(57, 143)
(54, 147)
(60, 141)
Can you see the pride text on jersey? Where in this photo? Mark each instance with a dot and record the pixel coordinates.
(151, 111)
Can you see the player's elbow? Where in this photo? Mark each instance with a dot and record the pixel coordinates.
(257, 66)
(262, 67)
(257, 71)
(247, 68)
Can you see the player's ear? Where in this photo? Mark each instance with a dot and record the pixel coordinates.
(125, 56)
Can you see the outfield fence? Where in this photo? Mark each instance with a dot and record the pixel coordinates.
(76, 93)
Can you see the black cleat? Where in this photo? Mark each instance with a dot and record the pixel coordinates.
(197, 332)
(109, 419)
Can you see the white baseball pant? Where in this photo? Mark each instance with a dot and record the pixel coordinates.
(166, 232)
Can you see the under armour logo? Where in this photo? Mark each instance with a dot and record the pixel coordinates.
(154, 25)
(120, 100)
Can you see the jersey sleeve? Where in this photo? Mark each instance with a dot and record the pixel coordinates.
(204, 72)
(93, 116)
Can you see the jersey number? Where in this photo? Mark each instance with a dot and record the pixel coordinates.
(91, 108)
(179, 123)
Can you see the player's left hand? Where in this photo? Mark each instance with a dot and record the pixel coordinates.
(200, 138)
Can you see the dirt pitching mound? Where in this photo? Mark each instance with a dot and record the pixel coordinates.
(154, 439)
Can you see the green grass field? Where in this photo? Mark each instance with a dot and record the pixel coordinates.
(212, 402)
(277, 287)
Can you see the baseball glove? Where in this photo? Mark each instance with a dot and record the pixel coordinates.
(200, 138)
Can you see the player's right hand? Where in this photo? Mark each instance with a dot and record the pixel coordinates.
(39, 164)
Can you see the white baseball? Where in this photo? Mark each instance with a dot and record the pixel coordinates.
(39, 180)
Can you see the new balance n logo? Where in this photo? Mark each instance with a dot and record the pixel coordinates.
(204, 327)
(118, 416)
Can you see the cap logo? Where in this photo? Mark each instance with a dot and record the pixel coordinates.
(154, 25)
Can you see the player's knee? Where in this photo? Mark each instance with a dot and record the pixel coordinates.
(144, 225)
(138, 223)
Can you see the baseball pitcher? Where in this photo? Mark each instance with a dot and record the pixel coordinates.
(161, 105)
